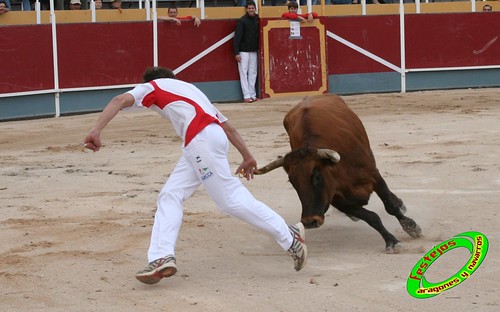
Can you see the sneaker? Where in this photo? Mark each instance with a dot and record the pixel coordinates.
(156, 270)
(298, 250)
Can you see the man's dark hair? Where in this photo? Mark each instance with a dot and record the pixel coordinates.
(250, 3)
(157, 72)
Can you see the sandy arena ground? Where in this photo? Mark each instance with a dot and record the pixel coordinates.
(75, 225)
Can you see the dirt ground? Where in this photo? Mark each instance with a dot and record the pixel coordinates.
(75, 225)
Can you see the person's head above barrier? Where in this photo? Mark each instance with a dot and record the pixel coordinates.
(251, 8)
(3, 7)
(487, 8)
(116, 4)
(75, 4)
(173, 11)
(98, 4)
(293, 7)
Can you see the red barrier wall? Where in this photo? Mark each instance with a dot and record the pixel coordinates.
(101, 54)
(94, 54)
(432, 40)
(449, 40)
(179, 44)
(376, 34)
(26, 58)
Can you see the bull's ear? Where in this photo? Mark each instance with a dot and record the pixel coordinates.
(329, 154)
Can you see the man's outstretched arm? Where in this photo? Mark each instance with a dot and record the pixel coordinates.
(93, 139)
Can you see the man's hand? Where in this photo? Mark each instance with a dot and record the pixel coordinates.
(92, 141)
(237, 58)
(247, 168)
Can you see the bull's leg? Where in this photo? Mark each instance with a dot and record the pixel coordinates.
(395, 206)
(370, 217)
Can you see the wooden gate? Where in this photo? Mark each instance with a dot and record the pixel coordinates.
(293, 65)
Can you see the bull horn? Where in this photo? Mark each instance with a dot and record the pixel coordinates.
(330, 154)
(271, 166)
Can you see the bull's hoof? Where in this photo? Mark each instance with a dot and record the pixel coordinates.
(394, 248)
(411, 227)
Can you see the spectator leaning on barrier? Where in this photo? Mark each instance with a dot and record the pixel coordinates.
(487, 8)
(3, 8)
(292, 14)
(246, 45)
(75, 5)
(173, 13)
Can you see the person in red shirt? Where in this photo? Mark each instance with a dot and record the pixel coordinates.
(293, 15)
(173, 17)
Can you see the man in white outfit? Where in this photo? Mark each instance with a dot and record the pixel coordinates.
(205, 133)
(246, 45)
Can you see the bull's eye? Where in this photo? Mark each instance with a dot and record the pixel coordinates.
(316, 178)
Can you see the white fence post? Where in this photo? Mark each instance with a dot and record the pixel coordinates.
(54, 56)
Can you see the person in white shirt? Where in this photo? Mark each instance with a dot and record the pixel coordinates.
(205, 133)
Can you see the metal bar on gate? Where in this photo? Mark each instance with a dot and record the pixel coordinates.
(49, 91)
(451, 68)
(155, 35)
(202, 9)
(205, 52)
(54, 56)
(92, 10)
(402, 35)
(38, 14)
(363, 51)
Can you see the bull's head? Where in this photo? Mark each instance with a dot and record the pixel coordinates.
(309, 171)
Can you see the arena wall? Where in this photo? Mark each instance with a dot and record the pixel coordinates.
(95, 61)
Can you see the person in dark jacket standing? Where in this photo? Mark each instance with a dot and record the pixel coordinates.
(246, 44)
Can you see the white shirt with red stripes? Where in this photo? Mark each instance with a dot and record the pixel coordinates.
(187, 108)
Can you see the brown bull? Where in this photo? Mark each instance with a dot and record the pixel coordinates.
(331, 162)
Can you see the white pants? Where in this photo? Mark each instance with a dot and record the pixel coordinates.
(247, 67)
(204, 160)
